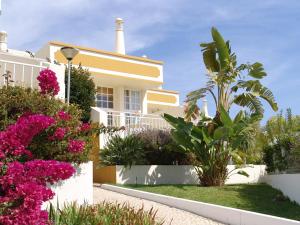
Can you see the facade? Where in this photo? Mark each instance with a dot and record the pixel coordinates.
(129, 88)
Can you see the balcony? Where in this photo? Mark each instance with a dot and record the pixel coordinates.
(132, 122)
(23, 71)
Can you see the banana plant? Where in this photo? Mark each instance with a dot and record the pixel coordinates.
(212, 147)
(229, 83)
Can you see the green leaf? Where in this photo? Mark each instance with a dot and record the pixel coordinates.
(222, 49)
(243, 173)
(222, 133)
(209, 57)
(250, 101)
(239, 116)
(225, 118)
(257, 71)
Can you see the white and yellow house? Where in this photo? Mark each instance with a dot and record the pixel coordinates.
(129, 88)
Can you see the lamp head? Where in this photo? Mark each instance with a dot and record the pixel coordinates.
(69, 52)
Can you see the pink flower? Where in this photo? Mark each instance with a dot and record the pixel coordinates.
(85, 127)
(64, 116)
(15, 139)
(59, 134)
(48, 82)
(25, 185)
(76, 146)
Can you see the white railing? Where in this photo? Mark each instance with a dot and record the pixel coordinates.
(131, 122)
(20, 74)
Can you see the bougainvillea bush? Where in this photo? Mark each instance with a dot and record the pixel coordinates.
(53, 144)
(40, 138)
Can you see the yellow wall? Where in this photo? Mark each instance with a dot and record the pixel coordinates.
(105, 174)
(112, 65)
(160, 97)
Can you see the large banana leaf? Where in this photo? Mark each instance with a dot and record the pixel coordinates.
(222, 48)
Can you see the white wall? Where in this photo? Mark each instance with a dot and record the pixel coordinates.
(289, 184)
(172, 174)
(60, 74)
(218, 213)
(78, 188)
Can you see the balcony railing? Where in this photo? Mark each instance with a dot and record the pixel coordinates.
(135, 121)
(132, 122)
(20, 74)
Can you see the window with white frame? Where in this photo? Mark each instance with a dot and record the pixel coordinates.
(105, 98)
(132, 100)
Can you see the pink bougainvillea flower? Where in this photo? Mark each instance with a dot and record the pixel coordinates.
(15, 139)
(48, 82)
(64, 116)
(25, 185)
(58, 134)
(76, 146)
(85, 127)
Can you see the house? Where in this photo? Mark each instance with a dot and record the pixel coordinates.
(129, 88)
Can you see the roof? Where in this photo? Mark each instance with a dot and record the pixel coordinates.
(142, 59)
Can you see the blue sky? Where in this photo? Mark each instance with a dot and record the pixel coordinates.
(170, 30)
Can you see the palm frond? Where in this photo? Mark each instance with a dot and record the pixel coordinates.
(257, 89)
(250, 101)
(209, 57)
(256, 70)
(222, 49)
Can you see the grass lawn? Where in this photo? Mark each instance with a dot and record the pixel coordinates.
(260, 198)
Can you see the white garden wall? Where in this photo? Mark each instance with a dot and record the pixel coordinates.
(178, 174)
(78, 188)
(289, 184)
(219, 213)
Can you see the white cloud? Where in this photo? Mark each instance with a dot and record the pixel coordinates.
(31, 23)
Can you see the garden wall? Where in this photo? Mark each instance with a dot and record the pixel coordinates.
(225, 215)
(177, 174)
(289, 184)
(78, 188)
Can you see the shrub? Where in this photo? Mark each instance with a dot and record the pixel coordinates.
(126, 151)
(148, 147)
(82, 91)
(53, 143)
(36, 127)
(23, 183)
(276, 156)
(161, 149)
(104, 214)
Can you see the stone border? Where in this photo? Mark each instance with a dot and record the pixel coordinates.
(218, 213)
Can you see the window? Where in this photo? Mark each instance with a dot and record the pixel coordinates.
(105, 98)
(132, 100)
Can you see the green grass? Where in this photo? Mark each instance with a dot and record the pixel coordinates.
(260, 198)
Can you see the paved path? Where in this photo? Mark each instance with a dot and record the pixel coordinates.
(170, 215)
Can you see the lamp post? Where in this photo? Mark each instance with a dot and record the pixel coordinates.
(69, 53)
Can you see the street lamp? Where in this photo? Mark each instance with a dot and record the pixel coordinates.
(69, 53)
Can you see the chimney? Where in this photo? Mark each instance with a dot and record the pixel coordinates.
(3, 41)
(205, 108)
(120, 44)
